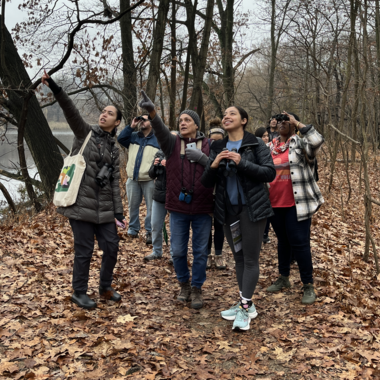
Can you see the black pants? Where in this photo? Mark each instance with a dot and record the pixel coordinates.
(247, 259)
(293, 239)
(108, 240)
(218, 238)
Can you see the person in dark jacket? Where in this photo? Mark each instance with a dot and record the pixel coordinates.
(241, 203)
(187, 200)
(158, 172)
(96, 209)
(272, 128)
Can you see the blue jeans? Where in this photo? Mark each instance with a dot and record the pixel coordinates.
(135, 192)
(293, 238)
(158, 219)
(179, 238)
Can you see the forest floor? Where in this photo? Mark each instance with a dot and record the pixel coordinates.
(149, 335)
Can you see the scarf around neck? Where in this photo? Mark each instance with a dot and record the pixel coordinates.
(275, 147)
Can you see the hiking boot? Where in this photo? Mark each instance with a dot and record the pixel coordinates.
(230, 314)
(148, 238)
(196, 298)
(220, 262)
(242, 320)
(170, 261)
(109, 293)
(209, 262)
(308, 294)
(133, 236)
(185, 292)
(281, 282)
(266, 239)
(83, 300)
(152, 256)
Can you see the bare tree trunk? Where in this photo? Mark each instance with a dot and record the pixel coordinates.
(158, 43)
(8, 198)
(129, 69)
(173, 71)
(199, 59)
(38, 135)
(21, 153)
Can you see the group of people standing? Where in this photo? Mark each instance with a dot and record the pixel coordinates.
(232, 174)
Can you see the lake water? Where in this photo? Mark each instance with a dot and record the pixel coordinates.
(9, 160)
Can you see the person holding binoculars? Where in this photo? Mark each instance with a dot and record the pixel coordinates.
(158, 172)
(239, 166)
(188, 201)
(98, 206)
(142, 145)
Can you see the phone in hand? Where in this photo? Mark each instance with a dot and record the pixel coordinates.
(119, 224)
(191, 146)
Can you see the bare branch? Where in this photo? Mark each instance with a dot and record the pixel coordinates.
(344, 135)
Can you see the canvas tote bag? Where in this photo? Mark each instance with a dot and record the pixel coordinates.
(69, 180)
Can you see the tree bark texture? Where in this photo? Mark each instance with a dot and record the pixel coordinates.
(199, 58)
(129, 69)
(158, 43)
(38, 134)
(8, 197)
(173, 71)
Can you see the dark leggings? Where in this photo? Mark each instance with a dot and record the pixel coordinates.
(247, 259)
(218, 238)
(266, 231)
(293, 239)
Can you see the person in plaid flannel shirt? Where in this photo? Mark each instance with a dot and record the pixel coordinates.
(295, 197)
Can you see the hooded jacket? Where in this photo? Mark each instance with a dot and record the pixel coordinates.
(159, 194)
(94, 204)
(254, 170)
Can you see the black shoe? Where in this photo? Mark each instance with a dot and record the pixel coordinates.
(109, 293)
(170, 261)
(152, 256)
(83, 300)
(148, 238)
(266, 239)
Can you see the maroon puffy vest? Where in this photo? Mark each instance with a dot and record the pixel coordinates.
(202, 202)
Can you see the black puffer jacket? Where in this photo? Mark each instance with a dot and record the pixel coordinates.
(94, 204)
(159, 194)
(254, 170)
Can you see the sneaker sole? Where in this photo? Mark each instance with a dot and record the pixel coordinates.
(232, 317)
(243, 328)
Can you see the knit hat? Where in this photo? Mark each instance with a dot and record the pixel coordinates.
(216, 130)
(193, 115)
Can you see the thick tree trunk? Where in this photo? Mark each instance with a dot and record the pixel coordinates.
(38, 134)
(173, 71)
(199, 59)
(129, 69)
(158, 43)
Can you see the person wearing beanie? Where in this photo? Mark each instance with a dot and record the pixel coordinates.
(188, 201)
(216, 132)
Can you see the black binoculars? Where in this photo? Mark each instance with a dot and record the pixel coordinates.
(159, 168)
(104, 175)
(281, 117)
(231, 164)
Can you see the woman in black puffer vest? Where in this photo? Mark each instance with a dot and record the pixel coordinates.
(241, 203)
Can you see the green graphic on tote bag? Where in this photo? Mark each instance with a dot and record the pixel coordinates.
(65, 179)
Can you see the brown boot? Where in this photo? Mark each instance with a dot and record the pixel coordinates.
(209, 262)
(220, 262)
(185, 292)
(196, 298)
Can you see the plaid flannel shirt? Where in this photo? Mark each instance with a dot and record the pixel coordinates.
(307, 196)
